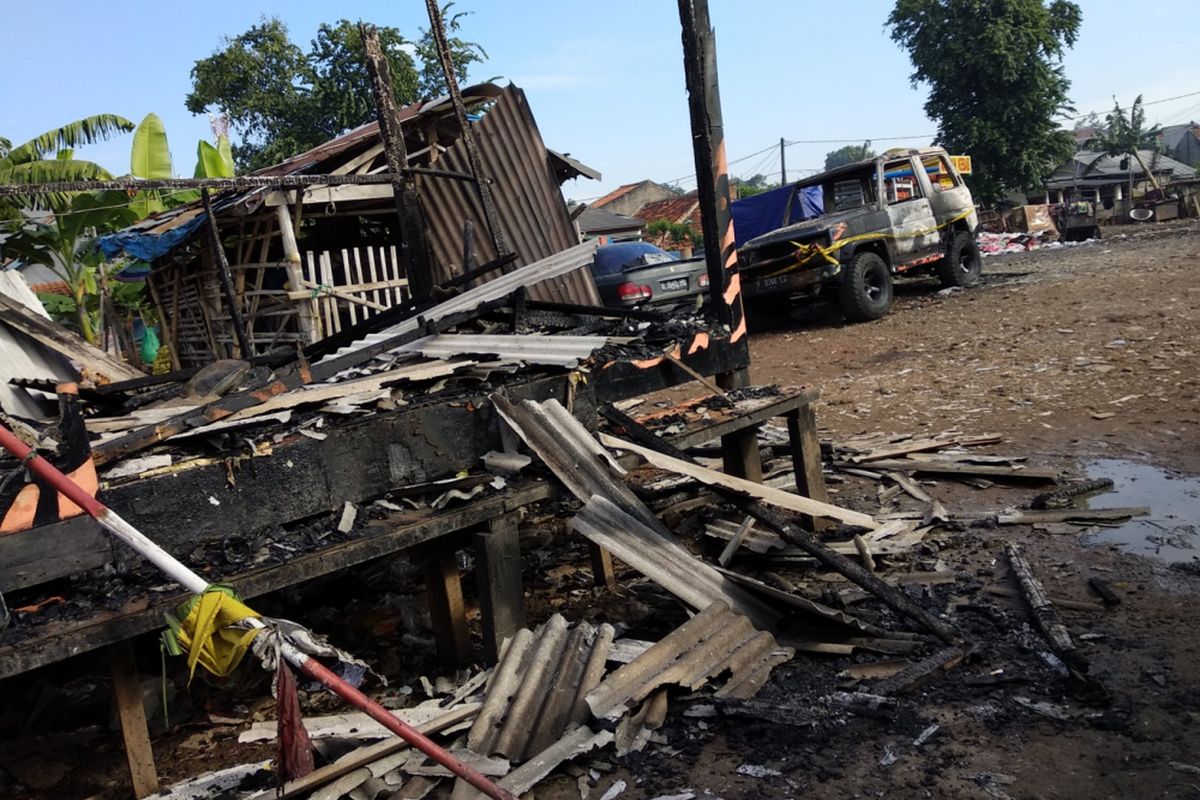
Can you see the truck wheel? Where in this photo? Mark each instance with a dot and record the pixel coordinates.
(866, 290)
(961, 265)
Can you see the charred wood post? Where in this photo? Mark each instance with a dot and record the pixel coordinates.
(222, 266)
(1045, 615)
(437, 27)
(740, 450)
(412, 224)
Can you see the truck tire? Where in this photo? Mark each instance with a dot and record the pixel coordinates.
(961, 265)
(866, 290)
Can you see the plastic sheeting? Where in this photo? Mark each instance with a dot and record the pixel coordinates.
(777, 208)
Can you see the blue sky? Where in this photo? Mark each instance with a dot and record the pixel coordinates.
(605, 80)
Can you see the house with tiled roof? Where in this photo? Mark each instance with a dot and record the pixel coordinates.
(629, 198)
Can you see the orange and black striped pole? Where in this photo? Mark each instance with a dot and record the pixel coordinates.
(712, 171)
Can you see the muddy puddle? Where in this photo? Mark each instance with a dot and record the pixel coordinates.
(1171, 531)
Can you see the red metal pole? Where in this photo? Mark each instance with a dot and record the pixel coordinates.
(190, 580)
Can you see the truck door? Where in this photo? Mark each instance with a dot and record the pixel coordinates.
(913, 226)
(948, 195)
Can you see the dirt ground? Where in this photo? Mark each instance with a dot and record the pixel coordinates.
(1071, 355)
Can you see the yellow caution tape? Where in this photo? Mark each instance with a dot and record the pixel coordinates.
(209, 632)
(807, 251)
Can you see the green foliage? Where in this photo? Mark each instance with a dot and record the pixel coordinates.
(674, 234)
(28, 162)
(432, 79)
(214, 162)
(996, 82)
(756, 184)
(283, 101)
(67, 246)
(1124, 135)
(149, 158)
(848, 155)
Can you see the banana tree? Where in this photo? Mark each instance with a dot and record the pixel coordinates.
(150, 158)
(1124, 137)
(31, 162)
(66, 245)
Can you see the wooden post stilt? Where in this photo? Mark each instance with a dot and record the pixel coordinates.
(498, 575)
(806, 461)
(443, 589)
(127, 690)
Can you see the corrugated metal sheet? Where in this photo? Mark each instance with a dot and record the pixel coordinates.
(22, 357)
(559, 351)
(665, 561)
(528, 200)
(627, 527)
(713, 641)
(537, 691)
(549, 268)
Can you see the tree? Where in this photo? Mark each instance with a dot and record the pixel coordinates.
(996, 82)
(1125, 136)
(432, 80)
(66, 245)
(282, 101)
(848, 155)
(755, 184)
(28, 162)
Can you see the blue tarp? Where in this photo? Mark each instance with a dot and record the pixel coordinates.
(768, 211)
(147, 246)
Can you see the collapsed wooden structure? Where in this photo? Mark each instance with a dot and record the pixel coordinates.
(308, 262)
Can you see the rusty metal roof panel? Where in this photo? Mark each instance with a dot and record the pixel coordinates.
(528, 200)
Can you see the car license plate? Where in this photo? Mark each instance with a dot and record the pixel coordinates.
(674, 284)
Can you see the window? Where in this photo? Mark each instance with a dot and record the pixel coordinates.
(940, 175)
(851, 191)
(899, 182)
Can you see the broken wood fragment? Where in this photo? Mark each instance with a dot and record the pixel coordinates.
(910, 678)
(1071, 514)
(894, 599)
(1043, 611)
(864, 553)
(1060, 602)
(1105, 590)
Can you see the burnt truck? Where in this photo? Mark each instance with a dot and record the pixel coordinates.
(851, 230)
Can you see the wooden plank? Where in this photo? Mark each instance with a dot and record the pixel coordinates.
(364, 756)
(443, 590)
(362, 159)
(806, 460)
(350, 281)
(319, 328)
(63, 341)
(777, 497)
(1071, 515)
(775, 408)
(40, 554)
(1031, 474)
(603, 574)
(903, 449)
(331, 308)
(127, 690)
(358, 281)
(498, 575)
(374, 276)
(401, 274)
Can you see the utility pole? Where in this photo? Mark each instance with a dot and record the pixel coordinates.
(740, 451)
(412, 226)
(782, 161)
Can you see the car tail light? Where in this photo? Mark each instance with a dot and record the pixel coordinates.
(703, 280)
(630, 292)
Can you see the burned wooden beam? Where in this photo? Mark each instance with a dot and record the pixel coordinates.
(221, 265)
(412, 226)
(1044, 614)
(242, 182)
(437, 27)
